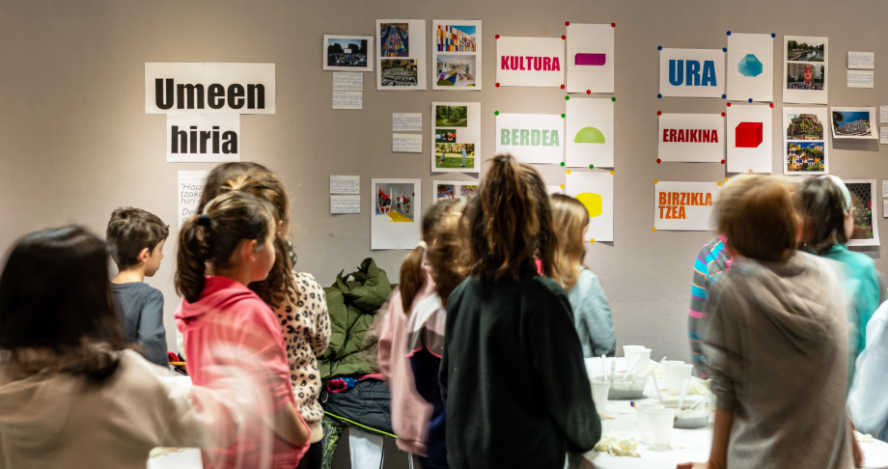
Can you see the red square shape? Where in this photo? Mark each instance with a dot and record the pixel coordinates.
(748, 135)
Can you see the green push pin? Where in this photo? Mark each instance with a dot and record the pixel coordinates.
(614, 99)
(591, 166)
(495, 113)
(562, 164)
(562, 116)
(567, 98)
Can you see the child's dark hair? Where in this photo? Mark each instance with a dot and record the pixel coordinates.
(259, 181)
(215, 235)
(511, 223)
(55, 296)
(821, 204)
(129, 231)
(441, 235)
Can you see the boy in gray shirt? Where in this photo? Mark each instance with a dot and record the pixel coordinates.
(135, 240)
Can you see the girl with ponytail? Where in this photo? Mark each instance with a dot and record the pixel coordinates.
(512, 365)
(227, 326)
(591, 310)
(412, 333)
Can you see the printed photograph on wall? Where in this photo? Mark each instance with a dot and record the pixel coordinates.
(399, 72)
(348, 53)
(454, 155)
(395, 201)
(401, 55)
(805, 69)
(454, 116)
(863, 199)
(456, 55)
(805, 145)
(853, 122)
(456, 131)
(396, 209)
(445, 135)
(394, 39)
(453, 190)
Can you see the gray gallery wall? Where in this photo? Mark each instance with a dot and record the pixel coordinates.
(75, 141)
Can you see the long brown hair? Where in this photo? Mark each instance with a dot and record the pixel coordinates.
(510, 223)
(215, 235)
(820, 203)
(571, 218)
(280, 285)
(443, 250)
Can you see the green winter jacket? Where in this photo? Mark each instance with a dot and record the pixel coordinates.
(352, 309)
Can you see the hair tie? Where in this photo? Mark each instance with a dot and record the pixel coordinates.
(203, 220)
(422, 244)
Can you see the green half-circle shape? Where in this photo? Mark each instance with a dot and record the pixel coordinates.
(589, 135)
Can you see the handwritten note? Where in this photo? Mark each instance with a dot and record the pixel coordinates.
(883, 113)
(407, 143)
(345, 81)
(883, 138)
(406, 122)
(885, 188)
(345, 184)
(348, 99)
(885, 208)
(860, 79)
(865, 60)
(345, 204)
(191, 186)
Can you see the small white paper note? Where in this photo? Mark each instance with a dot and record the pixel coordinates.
(407, 143)
(860, 78)
(883, 113)
(406, 122)
(885, 188)
(346, 81)
(345, 204)
(862, 60)
(885, 208)
(883, 137)
(348, 99)
(345, 184)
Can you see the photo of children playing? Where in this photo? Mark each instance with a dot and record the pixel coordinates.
(455, 70)
(454, 155)
(395, 201)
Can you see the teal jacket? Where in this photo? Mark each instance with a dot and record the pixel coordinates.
(862, 287)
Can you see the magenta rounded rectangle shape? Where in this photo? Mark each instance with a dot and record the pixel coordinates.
(590, 59)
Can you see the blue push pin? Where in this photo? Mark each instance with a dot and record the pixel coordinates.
(724, 96)
(659, 47)
(724, 49)
(773, 35)
(729, 33)
(659, 95)
(750, 100)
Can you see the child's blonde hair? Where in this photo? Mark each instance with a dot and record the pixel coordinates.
(571, 218)
(756, 215)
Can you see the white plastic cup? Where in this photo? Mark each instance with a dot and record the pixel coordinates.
(644, 429)
(600, 390)
(675, 376)
(640, 358)
(660, 422)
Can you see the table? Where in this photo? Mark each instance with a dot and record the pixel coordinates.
(687, 445)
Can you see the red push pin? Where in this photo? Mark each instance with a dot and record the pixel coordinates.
(567, 23)
(497, 36)
(659, 113)
(723, 114)
(497, 85)
(562, 87)
(772, 105)
(723, 161)
(613, 25)
(588, 91)
(563, 37)
(658, 160)
(729, 104)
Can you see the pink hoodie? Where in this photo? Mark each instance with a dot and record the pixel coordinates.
(410, 412)
(229, 332)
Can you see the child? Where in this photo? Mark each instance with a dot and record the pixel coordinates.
(221, 320)
(296, 298)
(777, 340)
(591, 311)
(135, 241)
(429, 273)
(825, 207)
(712, 260)
(512, 371)
(71, 395)
(866, 401)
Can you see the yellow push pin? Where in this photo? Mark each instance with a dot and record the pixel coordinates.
(562, 186)
(612, 172)
(656, 181)
(568, 171)
(592, 240)
(654, 229)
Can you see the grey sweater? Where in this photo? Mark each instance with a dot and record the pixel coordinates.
(592, 316)
(778, 347)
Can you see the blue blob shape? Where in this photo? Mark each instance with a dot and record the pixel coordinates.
(729, 33)
(749, 66)
(659, 96)
(724, 49)
(659, 47)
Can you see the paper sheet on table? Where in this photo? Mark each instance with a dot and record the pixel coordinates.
(345, 184)
(345, 204)
(862, 60)
(348, 81)
(407, 143)
(406, 122)
(861, 78)
(348, 99)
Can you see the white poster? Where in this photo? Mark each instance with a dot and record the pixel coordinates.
(595, 190)
(866, 225)
(243, 88)
(552, 190)
(456, 55)
(805, 69)
(530, 61)
(401, 52)
(203, 137)
(853, 122)
(590, 133)
(749, 139)
(348, 53)
(395, 213)
(453, 190)
(590, 58)
(531, 138)
(695, 138)
(685, 206)
(750, 67)
(456, 137)
(805, 145)
(189, 190)
(692, 72)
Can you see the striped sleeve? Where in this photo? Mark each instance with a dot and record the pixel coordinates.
(698, 314)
